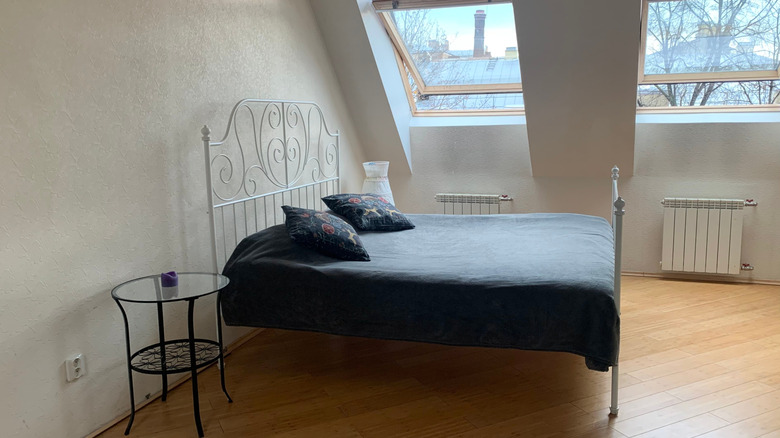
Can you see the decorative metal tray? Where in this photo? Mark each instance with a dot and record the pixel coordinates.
(177, 356)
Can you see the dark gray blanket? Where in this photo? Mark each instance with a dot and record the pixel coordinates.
(531, 281)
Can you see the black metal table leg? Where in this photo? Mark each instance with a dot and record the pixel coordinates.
(129, 369)
(153, 358)
(193, 365)
(221, 347)
(161, 326)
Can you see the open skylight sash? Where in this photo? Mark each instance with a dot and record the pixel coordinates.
(458, 50)
(389, 5)
(456, 55)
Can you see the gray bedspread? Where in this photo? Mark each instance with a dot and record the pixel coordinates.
(530, 281)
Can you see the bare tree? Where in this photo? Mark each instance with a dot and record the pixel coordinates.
(709, 36)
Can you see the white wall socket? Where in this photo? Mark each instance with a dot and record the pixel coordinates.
(75, 367)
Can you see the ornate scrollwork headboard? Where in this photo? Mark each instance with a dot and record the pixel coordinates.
(273, 152)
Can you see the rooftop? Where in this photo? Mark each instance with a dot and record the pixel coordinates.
(455, 70)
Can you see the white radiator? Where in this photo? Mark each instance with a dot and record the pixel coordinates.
(465, 203)
(702, 235)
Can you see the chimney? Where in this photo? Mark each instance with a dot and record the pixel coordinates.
(479, 34)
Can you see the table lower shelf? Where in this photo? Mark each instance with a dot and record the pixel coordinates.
(148, 360)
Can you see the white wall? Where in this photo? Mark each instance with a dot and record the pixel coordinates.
(101, 103)
(739, 160)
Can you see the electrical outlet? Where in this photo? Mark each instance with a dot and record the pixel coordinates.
(75, 367)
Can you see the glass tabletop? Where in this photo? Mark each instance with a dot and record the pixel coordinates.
(150, 290)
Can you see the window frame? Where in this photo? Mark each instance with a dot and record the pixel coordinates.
(682, 78)
(405, 62)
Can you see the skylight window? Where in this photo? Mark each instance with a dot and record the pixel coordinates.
(710, 53)
(457, 58)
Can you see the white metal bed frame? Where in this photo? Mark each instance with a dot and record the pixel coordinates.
(287, 154)
(294, 159)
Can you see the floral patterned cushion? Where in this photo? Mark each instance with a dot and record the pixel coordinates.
(324, 233)
(368, 212)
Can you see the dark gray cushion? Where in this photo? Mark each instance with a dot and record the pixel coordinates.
(324, 233)
(368, 212)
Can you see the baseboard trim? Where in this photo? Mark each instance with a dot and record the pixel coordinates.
(228, 349)
(701, 278)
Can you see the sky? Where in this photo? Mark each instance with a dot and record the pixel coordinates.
(762, 46)
(459, 25)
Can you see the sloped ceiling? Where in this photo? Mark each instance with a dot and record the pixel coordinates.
(579, 67)
(365, 64)
(579, 64)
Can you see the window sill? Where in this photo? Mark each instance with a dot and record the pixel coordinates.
(723, 116)
(441, 121)
(732, 116)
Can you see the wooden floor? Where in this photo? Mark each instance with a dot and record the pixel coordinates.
(697, 359)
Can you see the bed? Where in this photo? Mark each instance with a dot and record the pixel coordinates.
(531, 281)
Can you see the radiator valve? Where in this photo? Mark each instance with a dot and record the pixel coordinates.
(747, 267)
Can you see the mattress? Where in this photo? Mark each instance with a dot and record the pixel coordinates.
(530, 281)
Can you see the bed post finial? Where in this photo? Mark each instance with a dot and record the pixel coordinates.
(206, 132)
(615, 172)
(619, 204)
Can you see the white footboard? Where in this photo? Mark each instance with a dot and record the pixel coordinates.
(618, 211)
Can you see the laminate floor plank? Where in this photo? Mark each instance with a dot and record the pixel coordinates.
(691, 408)
(688, 428)
(757, 426)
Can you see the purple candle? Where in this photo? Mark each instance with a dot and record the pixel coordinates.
(169, 279)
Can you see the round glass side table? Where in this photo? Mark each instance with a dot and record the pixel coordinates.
(177, 355)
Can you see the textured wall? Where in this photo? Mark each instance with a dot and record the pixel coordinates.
(101, 103)
(727, 160)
